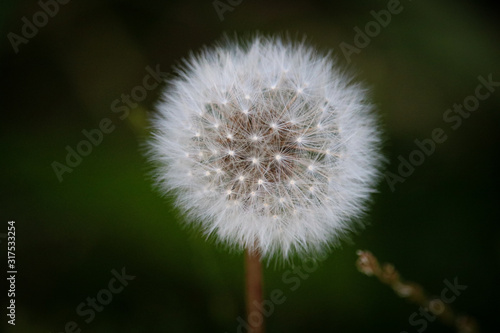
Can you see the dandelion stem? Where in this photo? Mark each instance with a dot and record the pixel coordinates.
(253, 273)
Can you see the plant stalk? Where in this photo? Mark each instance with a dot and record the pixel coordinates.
(253, 274)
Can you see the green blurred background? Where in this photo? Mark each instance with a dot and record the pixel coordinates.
(441, 223)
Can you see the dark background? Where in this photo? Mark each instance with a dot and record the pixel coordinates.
(441, 223)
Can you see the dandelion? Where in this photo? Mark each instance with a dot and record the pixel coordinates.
(280, 145)
(269, 147)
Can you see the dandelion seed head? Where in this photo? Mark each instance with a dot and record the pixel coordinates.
(259, 125)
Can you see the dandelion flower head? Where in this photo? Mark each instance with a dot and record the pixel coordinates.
(267, 145)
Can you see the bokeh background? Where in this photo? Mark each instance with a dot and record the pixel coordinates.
(441, 223)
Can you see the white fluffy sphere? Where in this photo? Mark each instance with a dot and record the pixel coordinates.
(267, 145)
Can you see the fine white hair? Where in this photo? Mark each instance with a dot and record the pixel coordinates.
(267, 145)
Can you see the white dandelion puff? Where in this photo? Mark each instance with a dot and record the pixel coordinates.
(285, 140)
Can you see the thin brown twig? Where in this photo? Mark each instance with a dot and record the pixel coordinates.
(368, 264)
